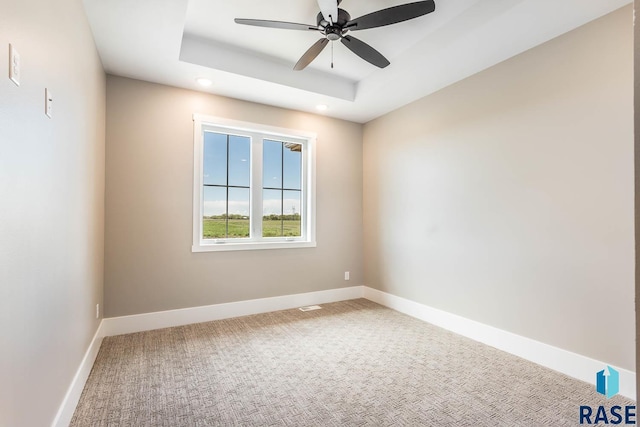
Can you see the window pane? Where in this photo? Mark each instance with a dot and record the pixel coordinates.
(271, 213)
(214, 222)
(291, 213)
(239, 160)
(238, 212)
(292, 166)
(215, 158)
(272, 164)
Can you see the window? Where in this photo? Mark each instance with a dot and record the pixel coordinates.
(253, 186)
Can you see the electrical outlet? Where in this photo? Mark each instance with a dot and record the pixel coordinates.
(14, 65)
(97, 311)
(346, 275)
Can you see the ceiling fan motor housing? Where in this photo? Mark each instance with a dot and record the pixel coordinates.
(334, 30)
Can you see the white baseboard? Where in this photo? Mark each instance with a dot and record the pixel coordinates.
(164, 319)
(186, 316)
(572, 364)
(566, 362)
(70, 401)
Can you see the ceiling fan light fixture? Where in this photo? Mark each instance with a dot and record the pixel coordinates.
(204, 82)
(334, 33)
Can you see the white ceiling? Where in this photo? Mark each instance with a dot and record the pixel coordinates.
(175, 41)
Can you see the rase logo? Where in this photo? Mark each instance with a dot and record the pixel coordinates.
(608, 384)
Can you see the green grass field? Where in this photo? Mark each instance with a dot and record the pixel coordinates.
(215, 228)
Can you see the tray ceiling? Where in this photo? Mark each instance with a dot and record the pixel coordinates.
(174, 42)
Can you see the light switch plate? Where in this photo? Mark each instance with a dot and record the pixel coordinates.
(14, 65)
(48, 102)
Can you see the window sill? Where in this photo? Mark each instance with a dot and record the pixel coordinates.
(250, 246)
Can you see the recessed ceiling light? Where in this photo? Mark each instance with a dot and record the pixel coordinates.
(321, 107)
(204, 82)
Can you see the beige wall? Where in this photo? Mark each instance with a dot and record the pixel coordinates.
(51, 206)
(507, 198)
(149, 265)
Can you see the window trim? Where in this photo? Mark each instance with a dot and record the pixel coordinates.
(255, 131)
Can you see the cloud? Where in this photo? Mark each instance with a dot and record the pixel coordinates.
(218, 207)
(272, 206)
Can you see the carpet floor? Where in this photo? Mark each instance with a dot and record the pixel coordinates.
(353, 363)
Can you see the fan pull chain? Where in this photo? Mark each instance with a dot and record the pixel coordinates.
(331, 55)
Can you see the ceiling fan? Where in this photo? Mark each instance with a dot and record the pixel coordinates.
(334, 24)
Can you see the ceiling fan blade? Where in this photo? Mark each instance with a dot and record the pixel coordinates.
(329, 9)
(276, 24)
(365, 51)
(391, 15)
(311, 54)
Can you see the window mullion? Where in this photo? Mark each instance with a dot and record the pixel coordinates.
(256, 187)
(227, 189)
(282, 189)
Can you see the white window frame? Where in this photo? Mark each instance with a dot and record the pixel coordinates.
(257, 133)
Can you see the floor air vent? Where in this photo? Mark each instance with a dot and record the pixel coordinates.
(310, 308)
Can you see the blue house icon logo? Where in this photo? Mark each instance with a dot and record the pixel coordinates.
(608, 382)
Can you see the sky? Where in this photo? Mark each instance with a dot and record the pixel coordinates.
(280, 166)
